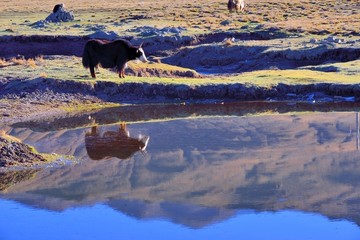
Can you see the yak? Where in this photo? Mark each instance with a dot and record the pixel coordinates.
(238, 5)
(111, 54)
(116, 144)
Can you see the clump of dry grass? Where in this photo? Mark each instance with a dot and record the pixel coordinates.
(43, 75)
(31, 62)
(3, 62)
(228, 42)
(18, 61)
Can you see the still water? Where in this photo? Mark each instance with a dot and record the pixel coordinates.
(227, 171)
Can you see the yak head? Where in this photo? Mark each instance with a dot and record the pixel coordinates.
(140, 54)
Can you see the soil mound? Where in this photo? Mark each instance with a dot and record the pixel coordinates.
(59, 14)
(14, 153)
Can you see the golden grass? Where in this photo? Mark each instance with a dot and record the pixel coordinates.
(52, 157)
(18, 61)
(298, 76)
(156, 65)
(31, 63)
(3, 62)
(69, 68)
(228, 42)
(8, 137)
(334, 16)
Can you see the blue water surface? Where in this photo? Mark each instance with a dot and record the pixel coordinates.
(19, 222)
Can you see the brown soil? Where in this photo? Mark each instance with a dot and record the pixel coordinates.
(36, 105)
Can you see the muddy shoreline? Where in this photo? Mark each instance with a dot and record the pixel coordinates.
(50, 97)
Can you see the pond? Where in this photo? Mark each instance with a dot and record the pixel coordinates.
(202, 171)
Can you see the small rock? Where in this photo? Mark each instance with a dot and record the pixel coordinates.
(225, 23)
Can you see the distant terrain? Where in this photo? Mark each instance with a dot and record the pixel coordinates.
(198, 51)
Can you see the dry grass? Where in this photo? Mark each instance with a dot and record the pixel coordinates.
(33, 63)
(43, 75)
(18, 61)
(3, 62)
(333, 16)
(8, 137)
(228, 42)
(73, 70)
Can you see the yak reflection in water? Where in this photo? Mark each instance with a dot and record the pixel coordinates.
(110, 144)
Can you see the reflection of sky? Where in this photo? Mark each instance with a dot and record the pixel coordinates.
(18, 222)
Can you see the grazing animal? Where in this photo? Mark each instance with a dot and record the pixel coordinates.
(111, 54)
(117, 144)
(58, 7)
(238, 5)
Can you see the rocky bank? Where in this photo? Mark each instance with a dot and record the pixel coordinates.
(14, 153)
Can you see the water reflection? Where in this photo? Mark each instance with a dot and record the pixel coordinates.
(7, 179)
(102, 222)
(117, 144)
(201, 171)
(175, 111)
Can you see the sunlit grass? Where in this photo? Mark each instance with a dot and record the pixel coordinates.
(70, 68)
(8, 137)
(336, 17)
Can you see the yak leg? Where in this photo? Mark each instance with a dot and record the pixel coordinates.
(92, 71)
(121, 74)
(122, 70)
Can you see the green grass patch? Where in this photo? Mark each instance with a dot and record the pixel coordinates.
(52, 157)
(70, 68)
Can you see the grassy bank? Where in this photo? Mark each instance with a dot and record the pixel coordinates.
(70, 68)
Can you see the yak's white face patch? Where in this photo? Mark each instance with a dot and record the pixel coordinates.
(142, 57)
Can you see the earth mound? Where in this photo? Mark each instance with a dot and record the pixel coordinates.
(59, 14)
(13, 153)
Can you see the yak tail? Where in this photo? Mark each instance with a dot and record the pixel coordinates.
(86, 56)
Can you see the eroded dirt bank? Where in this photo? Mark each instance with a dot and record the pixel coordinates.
(43, 91)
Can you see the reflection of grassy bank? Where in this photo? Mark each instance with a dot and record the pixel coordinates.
(169, 112)
(7, 179)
